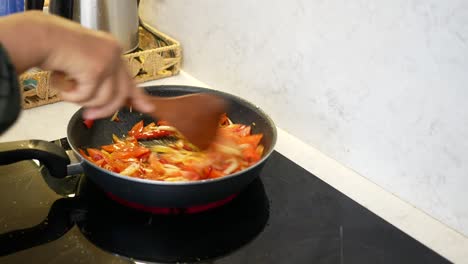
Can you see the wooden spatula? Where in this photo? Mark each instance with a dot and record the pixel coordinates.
(196, 116)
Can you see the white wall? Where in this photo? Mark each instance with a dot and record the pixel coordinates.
(381, 86)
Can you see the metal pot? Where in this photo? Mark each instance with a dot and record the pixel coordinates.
(148, 193)
(118, 17)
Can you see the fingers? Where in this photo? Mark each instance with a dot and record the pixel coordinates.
(78, 95)
(104, 94)
(60, 81)
(69, 89)
(141, 102)
(122, 87)
(106, 97)
(101, 82)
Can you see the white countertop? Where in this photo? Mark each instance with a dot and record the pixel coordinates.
(49, 122)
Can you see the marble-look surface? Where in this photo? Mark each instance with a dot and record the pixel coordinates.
(378, 86)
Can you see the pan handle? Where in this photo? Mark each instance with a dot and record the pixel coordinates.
(51, 155)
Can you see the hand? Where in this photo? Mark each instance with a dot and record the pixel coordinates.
(90, 58)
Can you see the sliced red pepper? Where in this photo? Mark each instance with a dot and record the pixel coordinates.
(251, 155)
(207, 171)
(190, 175)
(252, 140)
(163, 161)
(135, 153)
(211, 172)
(116, 165)
(149, 126)
(88, 123)
(127, 151)
(223, 120)
(163, 123)
(153, 134)
(83, 153)
(186, 147)
(121, 155)
(138, 152)
(136, 129)
(216, 174)
(101, 162)
(109, 148)
(95, 154)
(243, 130)
(187, 168)
(155, 164)
(131, 140)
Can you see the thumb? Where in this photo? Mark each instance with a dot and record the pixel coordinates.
(141, 101)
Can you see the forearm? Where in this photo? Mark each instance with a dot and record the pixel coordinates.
(10, 105)
(24, 36)
(92, 59)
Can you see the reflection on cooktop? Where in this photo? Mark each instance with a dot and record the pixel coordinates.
(178, 238)
(149, 237)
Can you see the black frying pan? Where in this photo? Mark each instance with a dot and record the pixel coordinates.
(148, 193)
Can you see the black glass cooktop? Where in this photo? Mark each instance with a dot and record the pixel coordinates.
(287, 215)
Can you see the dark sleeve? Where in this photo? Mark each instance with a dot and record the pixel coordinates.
(10, 96)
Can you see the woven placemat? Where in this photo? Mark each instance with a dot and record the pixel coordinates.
(157, 56)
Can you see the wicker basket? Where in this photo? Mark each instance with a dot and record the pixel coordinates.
(158, 56)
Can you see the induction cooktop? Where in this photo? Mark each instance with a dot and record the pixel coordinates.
(287, 215)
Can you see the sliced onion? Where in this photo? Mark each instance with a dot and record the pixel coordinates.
(244, 146)
(229, 150)
(164, 128)
(179, 144)
(107, 154)
(147, 170)
(176, 179)
(170, 166)
(260, 149)
(114, 116)
(232, 167)
(161, 149)
(130, 169)
(116, 139)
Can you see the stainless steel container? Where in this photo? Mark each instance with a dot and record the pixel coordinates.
(118, 17)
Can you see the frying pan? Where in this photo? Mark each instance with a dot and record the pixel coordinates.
(149, 193)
